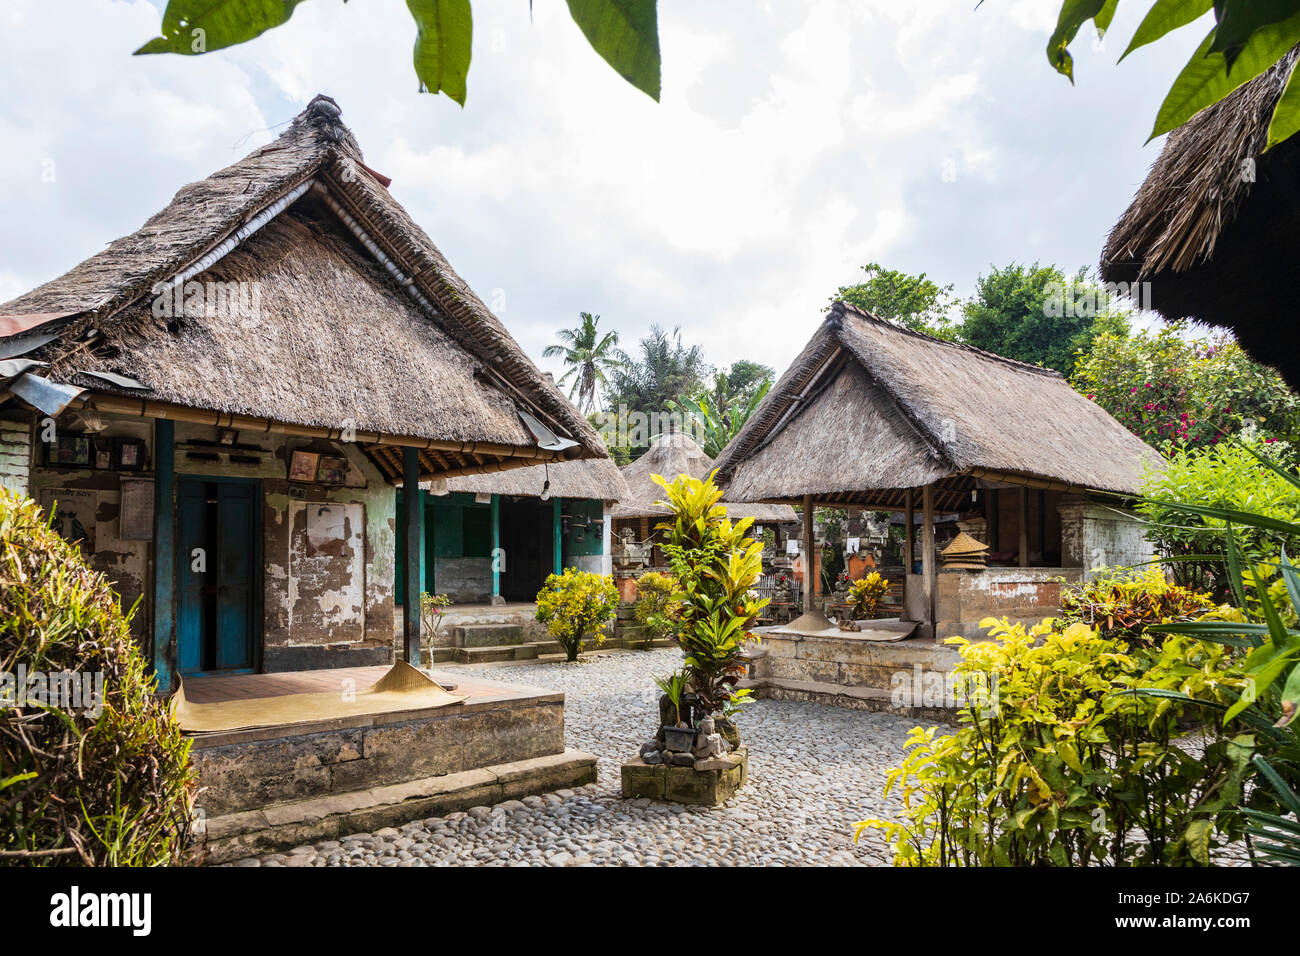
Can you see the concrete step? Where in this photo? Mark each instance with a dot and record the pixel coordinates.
(487, 635)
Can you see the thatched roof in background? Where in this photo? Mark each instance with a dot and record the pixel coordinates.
(340, 335)
(870, 406)
(598, 479)
(1215, 225)
(675, 453)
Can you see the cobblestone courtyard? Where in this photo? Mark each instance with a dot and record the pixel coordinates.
(814, 771)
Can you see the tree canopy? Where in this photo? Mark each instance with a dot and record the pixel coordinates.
(911, 301)
(1036, 314)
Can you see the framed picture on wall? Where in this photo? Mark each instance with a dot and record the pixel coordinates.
(103, 454)
(69, 451)
(130, 454)
(332, 470)
(303, 466)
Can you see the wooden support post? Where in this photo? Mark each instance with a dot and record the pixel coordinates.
(1024, 527)
(909, 538)
(557, 536)
(928, 568)
(164, 549)
(413, 520)
(497, 556)
(809, 555)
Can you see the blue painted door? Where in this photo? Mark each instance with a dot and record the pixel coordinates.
(217, 566)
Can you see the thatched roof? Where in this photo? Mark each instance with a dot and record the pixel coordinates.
(361, 321)
(870, 408)
(598, 479)
(1214, 226)
(675, 453)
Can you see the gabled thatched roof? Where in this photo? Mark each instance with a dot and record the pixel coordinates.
(675, 453)
(598, 479)
(362, 320)
(1215, 225)
(871, 406)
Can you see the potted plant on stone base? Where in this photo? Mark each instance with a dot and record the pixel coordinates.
(716, 565)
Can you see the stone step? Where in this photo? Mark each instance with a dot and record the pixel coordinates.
(487, 635)
(250, 832)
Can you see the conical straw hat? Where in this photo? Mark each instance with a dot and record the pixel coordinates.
(964, 545)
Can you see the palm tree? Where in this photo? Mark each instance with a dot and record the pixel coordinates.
(588, 355)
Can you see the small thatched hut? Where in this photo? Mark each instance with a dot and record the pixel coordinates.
(873, 416)
(248, 376)
(671, 454)
(1214, 227)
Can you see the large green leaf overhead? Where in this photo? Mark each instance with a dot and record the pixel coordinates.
(626, 34)
(192, 27)
(442, 45)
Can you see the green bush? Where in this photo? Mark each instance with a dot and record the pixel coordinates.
(1058, 763)
(575, 606)
(114, 788)
(1223, 477)
(657, 606)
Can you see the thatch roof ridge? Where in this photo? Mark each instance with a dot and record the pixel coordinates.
(203, 215)
(934, 409)
(1195, 187)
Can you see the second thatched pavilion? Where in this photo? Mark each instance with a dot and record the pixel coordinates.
(875, 417)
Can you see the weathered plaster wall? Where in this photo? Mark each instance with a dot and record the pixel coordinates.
(464, 580)
(90, 500)
(1095, 535)
(327, 550)
(1027, 595)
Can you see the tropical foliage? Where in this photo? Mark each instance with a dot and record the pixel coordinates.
(1121, 606)
(103, 778)
(624, 32)
(1184, 502)
(1178, 391)
(865, 594)
(576, 606)
(1247, 38)
(657, 606)
(590, 357)
(1058, 763)
(716, 565)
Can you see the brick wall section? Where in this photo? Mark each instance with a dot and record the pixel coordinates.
(15, 454)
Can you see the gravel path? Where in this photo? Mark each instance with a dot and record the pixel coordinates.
(813, 772)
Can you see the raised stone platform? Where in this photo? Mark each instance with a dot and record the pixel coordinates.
(845, 669)
(703, 788)
(275, 786)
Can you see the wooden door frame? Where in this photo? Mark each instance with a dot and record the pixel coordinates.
(256, 579)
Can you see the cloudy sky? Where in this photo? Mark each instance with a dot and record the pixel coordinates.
(794, 142)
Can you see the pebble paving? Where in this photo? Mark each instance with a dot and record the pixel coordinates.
(814, 771)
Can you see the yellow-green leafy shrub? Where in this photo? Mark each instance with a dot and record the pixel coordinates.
(1123, 605)
(1056, 764)
(657, 606)
(575, 606)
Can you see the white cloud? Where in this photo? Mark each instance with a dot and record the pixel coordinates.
(792, 144)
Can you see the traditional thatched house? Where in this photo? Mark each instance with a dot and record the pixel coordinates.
(873, 416)
(671, 454)
(222, 402)
(1213, 230)
(495, 537)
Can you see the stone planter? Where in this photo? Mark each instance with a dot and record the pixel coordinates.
(678, 739)
(707, 783)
